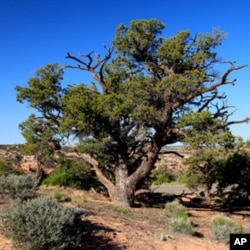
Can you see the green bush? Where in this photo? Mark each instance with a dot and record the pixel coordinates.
(42, 224)
(163, 176)
(18, 186)
(58, 195)
(6, 169)
(72, 173)
(222, 227)
(173, 207)
(181, 223)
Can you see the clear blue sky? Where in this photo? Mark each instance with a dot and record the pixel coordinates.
(37, 32)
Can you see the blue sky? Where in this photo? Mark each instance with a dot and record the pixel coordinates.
(38, 32)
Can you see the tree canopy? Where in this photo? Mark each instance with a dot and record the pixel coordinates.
(148, 92)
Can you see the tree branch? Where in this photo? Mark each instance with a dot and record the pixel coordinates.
(172, 152)
(213, 87)
(95, 165)
(246, 120)
(224, 77)
(87, 65)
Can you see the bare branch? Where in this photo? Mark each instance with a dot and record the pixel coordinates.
(78, 60)
(246, 120)
(87, 65)
(224, 79)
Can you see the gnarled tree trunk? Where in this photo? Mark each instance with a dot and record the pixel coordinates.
(123, 192)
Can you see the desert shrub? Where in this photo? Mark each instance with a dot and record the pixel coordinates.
(6, 168)
(173, 207)
(181, 223)
(18, 186)
(163, 176)
(72, 173)
(246, 230)
(222, 227)
(179, 219)
(42, 224)
(58, 195)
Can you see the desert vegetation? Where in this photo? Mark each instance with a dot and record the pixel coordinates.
(99, 147)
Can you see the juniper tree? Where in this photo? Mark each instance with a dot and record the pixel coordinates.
(142, 87)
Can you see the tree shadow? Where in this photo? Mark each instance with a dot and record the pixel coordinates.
(154, 200)
(159, 200)
(99, 237)
(198, 235)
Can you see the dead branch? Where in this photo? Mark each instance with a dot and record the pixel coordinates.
(246, 120)
(88, 65)
(224, 77)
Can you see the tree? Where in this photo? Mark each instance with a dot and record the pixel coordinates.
(41, 132)
(142, 88)
(236, 174)
(211, 145)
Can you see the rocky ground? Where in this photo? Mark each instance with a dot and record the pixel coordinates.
(142, 228)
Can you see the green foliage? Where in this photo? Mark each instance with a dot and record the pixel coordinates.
(43, 93)
(58, 195)
(140, 39)
(6, 169)
(163, 176)
(174, 207)
(44, 88)
(203, 167)
(222, 227)
(236, 173)
(181, 223)
(227, 168)
(72, 173)
(179, 219)
(42, 224)
(18, 186)
(192, 178)
(205, 131)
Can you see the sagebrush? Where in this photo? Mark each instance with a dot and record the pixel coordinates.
(6, 169)
(181, 223)
(42, 224)
(18, 186)
(222, 227)
(173, 207)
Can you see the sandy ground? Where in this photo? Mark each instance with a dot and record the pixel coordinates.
(115, 228)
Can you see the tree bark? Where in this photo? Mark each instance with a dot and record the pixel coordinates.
(123, 192)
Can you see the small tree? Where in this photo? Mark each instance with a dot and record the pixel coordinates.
(142, 87)
(236, 174)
